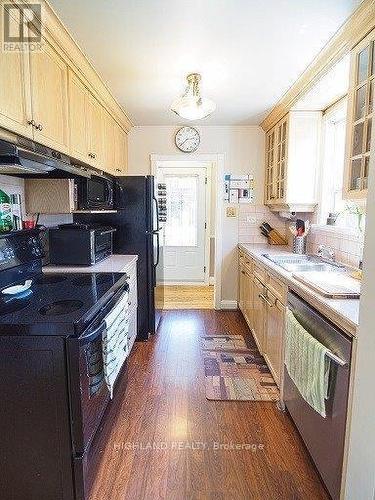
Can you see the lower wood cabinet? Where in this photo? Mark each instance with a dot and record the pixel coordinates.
(258, 314)
(274, 334)
(262, 302)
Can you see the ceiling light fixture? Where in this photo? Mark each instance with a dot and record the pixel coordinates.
(191, 105)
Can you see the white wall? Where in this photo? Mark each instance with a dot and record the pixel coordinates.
(243, 147)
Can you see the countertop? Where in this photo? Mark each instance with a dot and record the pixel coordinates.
(114, 264)
(342, 312)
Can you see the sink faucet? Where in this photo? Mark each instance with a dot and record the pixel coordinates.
(326, 253)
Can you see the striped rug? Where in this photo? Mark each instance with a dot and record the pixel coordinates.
(236, 372)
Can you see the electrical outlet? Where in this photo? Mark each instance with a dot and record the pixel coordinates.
(231, 212)
(251, 219)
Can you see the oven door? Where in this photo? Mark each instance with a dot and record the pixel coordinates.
(95, 193)
(88, 390)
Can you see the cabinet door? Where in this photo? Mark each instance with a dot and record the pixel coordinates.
(360, 114)
(270, 167)
(95, 130)
(241, 301)
(109, 143)
(121, 151)
(49, 91)
(281, 159)
(15, 100)
(78, 95)
(274, 330)
(248, 304)
(258, 314)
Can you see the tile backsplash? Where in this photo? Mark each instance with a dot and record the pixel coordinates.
(249, 219)
(346, 243)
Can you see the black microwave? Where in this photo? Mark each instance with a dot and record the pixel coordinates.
(95, 193)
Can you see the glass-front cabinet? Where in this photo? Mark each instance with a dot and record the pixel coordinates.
(292, 155)
(276, 159)
(360, 114)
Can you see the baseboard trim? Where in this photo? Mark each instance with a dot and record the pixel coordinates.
(228, 304)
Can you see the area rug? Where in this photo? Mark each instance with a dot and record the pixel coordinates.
(238, 374)
(223, 342)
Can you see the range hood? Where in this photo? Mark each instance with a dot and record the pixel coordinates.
(27, 157)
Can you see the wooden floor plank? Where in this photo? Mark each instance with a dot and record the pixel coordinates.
(164, 405)
(185, 297)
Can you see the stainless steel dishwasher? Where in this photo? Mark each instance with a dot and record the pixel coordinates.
(323, 437)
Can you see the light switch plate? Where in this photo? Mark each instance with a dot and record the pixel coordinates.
(231, 212)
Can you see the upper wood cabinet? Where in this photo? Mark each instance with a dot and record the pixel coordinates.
(95, 131)
(359, 122)
(292, 160)
(15, 101)
(121, 151)
(49, 93)
(55, 97)
(109, 131)
(78, 118)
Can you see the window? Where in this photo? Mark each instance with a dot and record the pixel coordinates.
(333, 160)
(182, 204)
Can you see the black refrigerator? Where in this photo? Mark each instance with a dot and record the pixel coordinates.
(137, 225)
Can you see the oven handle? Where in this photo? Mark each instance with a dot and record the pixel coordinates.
(91, 336)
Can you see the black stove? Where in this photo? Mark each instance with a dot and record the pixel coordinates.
(52, 348)
(55, 304)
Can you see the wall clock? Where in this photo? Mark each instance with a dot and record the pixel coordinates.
(187, 139)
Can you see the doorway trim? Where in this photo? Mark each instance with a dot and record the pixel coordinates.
(217, 172)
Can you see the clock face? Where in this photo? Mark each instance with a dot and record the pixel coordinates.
(187, 139)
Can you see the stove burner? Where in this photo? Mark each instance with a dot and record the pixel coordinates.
(61, 307)
(50, 279)
(99, 279)
(13, 305)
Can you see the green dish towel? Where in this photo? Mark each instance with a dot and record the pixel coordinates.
(307, 363)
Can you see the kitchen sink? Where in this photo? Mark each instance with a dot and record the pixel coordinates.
(301, 263)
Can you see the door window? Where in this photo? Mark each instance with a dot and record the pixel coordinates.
(182, 209)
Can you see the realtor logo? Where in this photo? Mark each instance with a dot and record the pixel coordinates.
(22, 27)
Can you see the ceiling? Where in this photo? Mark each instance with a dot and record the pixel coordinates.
(249, 52)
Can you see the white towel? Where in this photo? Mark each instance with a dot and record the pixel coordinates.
(115, 341)
(307, 363)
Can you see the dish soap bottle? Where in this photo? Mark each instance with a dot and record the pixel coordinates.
(5, 212)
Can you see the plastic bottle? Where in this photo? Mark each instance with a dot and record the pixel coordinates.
(5, 212)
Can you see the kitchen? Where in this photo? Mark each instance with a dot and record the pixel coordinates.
(110, 391)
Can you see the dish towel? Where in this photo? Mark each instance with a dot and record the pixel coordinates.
(307, 363)
(115, 341)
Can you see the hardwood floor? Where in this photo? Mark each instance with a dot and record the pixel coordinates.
(187, 297)
(146, 451)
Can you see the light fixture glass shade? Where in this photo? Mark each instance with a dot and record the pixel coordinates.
(191, 105)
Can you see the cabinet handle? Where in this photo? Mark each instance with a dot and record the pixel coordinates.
(39, 126)
(264, 298)
(32, 123)
(94, 155)
(118, 170)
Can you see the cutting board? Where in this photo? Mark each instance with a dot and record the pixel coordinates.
(331, 284)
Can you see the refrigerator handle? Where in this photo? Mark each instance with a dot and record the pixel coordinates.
(158, 249)
(157, 214)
